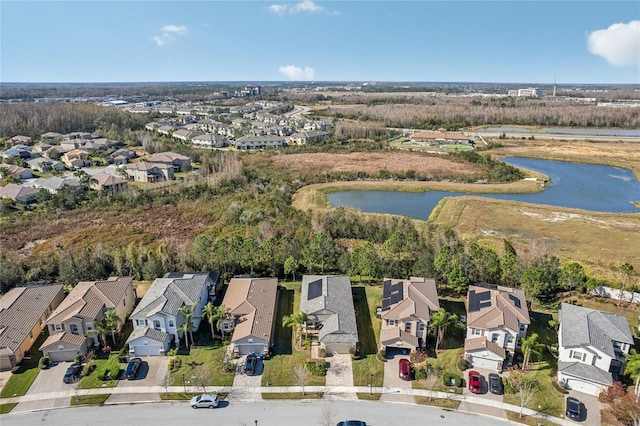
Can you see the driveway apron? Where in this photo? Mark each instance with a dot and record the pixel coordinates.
(339, 373)
(243, 384)
(392, 380)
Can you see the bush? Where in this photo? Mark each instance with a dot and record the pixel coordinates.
(447, 378)
(463, 364)
(418, 356)
(322, 352)
(558, 387)
(77, 359)
(111, 373)
(421, 374)
(509, 388)
(43, 362)
(317, 368)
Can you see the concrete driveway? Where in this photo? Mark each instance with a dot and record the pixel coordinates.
(242, 381)
(152, 372)
(392, 380)
(590, 405)
(484, 394)
(339, 373)
(48, 380)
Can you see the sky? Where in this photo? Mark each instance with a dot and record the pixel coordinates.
(508, 41)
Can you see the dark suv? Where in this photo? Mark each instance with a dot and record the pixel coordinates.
(574, 409)
(495, 384)
(131, 372)
(250, 364)
(72, 373)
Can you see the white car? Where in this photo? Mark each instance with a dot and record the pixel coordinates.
(204, 401)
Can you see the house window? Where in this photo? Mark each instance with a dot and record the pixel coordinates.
(421, 326)
(509, 339)
(391, 322)
(171, 323)
(57, 327)
(89, 326)
(577, 355)
(523, 328)
(156, 324)
(407, 327)
(495, 337)
(141, 322)
(477, 332)
(74, 328)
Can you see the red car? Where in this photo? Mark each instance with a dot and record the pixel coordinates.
(474, 381)
(404, 369)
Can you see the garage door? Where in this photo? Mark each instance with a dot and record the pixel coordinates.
(584, 387)
(61, 356)
(340, 348)
(248, 348)
(478, 362)
(146, 350)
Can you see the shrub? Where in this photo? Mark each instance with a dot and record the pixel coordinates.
(77, 359)
(421, 374)
(447, 378)
(418, 356)
(509, 388)
(322, 352)
(463, 364)
(317, 368)
(558, 387)
(383, 353)
(111, 373)
(43, 362)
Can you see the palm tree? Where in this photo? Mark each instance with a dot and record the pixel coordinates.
(632, 368)
(295, 321)
(186, 326)
(222, 314)
(530, 346)
(440, 320)
(187, 313)
(112, 321)
(101, 329)
(209, 311)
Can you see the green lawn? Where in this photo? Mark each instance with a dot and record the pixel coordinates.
(278, 371)
(6, 408)
(89, 399)
(202, 367)
(20, 381)
(94, 379)
(363, 369)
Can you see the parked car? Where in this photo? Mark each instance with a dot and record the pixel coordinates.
(352, 423)
(574, 409)
(205, 400)
(72, 373)
(475, 381)
(404, 369)
(131, 372)
(250, 364)
(495, 384)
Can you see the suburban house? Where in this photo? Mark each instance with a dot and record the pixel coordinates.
(76, 158)
(592, 348)
(328, 302)
(308, 136)
(18, 151)
(17, 171)
(149, 172)
(158, 316)
(18, 193)
(107, 182)
(497, 318)
(53, 184)
(178, 161)
(253, 303)
(72, 325)
(258, 142)
(121, 156)
(41, 164)
(209, 140)
(19, 139)
(23, 311)
(407, 306)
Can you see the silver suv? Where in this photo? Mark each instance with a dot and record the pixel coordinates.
(204, 401)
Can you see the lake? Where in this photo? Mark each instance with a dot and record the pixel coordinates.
(581, 186)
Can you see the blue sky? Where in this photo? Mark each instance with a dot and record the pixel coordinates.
(467, 41)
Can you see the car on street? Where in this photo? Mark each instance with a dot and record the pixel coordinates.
(352, 423)
(250, 364)
(72, 373)
(574, 409)
(475, 381)
(131, 372)
(205, 400)
(404, 369)
(495, 384)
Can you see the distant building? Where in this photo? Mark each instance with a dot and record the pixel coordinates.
(530, 92)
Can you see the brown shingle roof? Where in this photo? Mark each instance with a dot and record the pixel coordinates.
(253, 302)
(481, 343)
(500, 306)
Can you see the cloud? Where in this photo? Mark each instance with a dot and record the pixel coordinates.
(308, 6)
(168, 34)
(619, 44)
(296, 73)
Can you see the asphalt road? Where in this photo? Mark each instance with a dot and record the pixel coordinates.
(262, 413)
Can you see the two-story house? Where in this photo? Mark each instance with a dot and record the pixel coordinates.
(253, 303)
(497, 318)
(158, 317)
(328, 302)
(72, 325)
(407, 306)
(592, 348)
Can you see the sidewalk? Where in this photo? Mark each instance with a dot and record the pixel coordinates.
(150, 394)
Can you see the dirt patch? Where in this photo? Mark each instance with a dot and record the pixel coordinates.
(373, 162)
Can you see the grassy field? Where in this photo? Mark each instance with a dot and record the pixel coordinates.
(599, 241)
(89, 399)
(94, 379)
(202, 367)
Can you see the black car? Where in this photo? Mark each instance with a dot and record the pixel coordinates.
(250, 364)
(495, 384)
(574, 409)
(352, 423)
(72, 373)
(131, 372)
